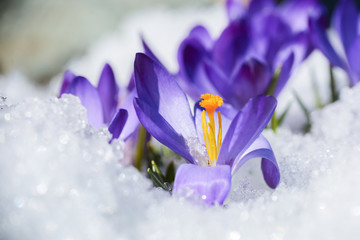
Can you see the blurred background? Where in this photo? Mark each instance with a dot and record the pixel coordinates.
(38, 37)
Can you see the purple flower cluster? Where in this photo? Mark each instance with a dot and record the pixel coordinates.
(346, 22)
(102, 103)
(233, 79)
(259, 39)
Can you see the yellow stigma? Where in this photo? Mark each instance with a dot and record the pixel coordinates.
(211, 103)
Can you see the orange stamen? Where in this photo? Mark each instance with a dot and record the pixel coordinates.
(211, 103)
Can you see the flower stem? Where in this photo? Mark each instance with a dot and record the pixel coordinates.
(334, 94)
(140, 148)
(274, 122)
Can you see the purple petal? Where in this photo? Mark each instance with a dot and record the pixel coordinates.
(269, 168)
(133, 122)
(68, 78)
(299, 45)
(219, 80)
(258, 6)
(131, 84)
(202, 35)
(345, 22)
(198, 121)
(266, 37)
(354, 61)
(161, 92)
(160, 129)
(148, 51)
(286, 70)
(108, 91)
(231, 45)
(261, 148)
(252, 79)
(212, 184)
(321, 41)
(118, 123)
(199, 84)
(235, 9)
(89, 98)
(246, 127)
(249, 79)
(297, 13)
(191, 55)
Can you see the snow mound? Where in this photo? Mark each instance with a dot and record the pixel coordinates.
(60, 179)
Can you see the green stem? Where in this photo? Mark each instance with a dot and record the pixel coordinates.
(334, 94)
(274, 82)
(283, 115)
(306, 112)
(316, 91)
(274, 122)
(140, 147)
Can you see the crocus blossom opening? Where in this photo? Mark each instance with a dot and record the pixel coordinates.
(211, 103)
(164, 111)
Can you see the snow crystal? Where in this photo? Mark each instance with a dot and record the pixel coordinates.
(198, 151)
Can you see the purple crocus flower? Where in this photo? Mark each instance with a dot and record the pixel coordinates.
(227, 66)
(215, 144)
(102, 102)
(347, 26)
(240, 64)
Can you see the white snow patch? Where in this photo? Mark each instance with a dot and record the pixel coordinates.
(198, 151)
(59, 178)
(15, 87)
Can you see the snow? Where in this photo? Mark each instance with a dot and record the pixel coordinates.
(61, 179)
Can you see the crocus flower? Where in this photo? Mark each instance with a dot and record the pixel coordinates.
(347, 26)
(102, 102)
(225, 66)
(214, 145)
(242, 61)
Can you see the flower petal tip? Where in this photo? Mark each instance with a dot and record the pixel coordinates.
(210, 184)
(271, 173)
